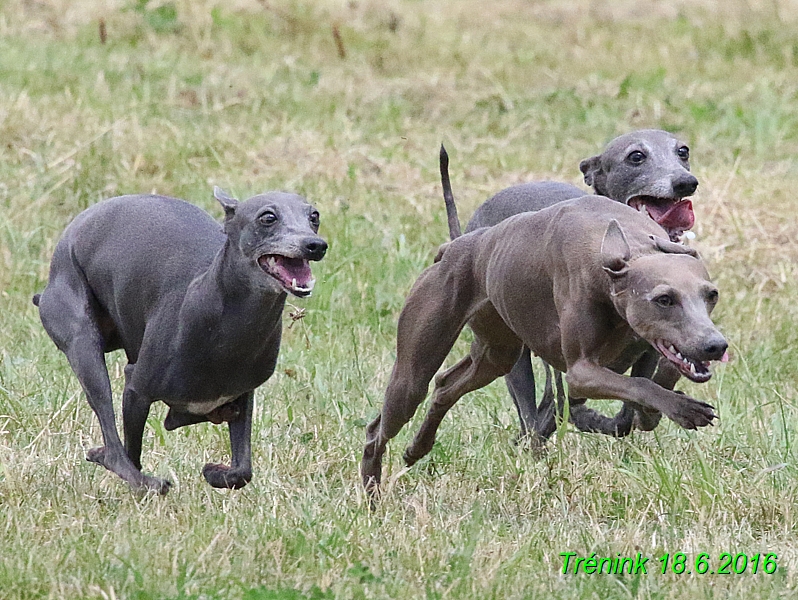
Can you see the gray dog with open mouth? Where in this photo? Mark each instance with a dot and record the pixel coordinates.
(196, 306)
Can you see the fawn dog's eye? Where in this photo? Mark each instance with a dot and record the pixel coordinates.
(664, 300)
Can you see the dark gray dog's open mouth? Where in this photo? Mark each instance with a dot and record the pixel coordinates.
(675, 215)
(694, 370)
(293, 274)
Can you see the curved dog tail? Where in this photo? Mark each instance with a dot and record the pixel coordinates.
(448, 198)
(36, 298)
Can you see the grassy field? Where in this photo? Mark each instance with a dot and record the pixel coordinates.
(183, 95)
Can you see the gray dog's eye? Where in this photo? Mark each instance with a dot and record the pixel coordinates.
(683, 152)
(712, 296)
(314, 218)
(268, 218)
(636, 157)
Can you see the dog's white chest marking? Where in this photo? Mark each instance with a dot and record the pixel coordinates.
(203, 407)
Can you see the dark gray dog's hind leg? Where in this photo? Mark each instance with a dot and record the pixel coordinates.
(226, 412)
(175, 420)
(239, 473)
(78, 335)
(521, 384)
(591, 421)
(547, 413)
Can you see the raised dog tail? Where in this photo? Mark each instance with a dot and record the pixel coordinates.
(36, 298)
(448, 198)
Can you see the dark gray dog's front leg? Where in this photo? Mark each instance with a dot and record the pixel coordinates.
(239, 473)
(135, 411)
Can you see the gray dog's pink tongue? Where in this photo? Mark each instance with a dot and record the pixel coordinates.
(679, 216)
(294, 269)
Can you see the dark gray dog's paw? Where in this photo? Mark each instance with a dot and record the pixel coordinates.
(222, 476)
(137, 480)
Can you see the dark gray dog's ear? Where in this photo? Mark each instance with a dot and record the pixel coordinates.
(228, 203)
(590, 167)
(670, 247)
(615, 251)
(441, 249)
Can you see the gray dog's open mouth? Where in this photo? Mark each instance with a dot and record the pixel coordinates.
(292, 273)
(675, 215)
(694, 370)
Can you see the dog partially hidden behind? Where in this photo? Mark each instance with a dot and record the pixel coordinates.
(588, 284)
(196, 306)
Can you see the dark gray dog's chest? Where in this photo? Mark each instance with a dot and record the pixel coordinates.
(200, 377)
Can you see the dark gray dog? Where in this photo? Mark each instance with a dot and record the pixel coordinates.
(588, 284)
(197, 308)
(647, 169)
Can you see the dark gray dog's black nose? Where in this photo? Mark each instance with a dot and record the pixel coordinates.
(314, 248)
(684, 185)
(715, 349)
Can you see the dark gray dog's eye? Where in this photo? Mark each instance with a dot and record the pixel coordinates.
(314, 218)
(636, 157)
(683, 152)
(665, 300)
(268, 218)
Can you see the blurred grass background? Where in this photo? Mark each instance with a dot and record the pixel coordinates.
(176, 97)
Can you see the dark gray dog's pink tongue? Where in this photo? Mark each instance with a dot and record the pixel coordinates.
(679, 216)
(294, 268)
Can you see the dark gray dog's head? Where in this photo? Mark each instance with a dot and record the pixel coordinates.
(277, 234)
(649, 170)
(667, 298)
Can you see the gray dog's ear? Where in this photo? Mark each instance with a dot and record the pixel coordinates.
(615, 251)
(441, 249)
(228, 203)
(670, 247)
(590, 167)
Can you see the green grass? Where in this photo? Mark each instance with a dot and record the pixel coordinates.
(254, 95)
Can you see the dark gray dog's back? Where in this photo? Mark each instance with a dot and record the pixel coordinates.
(525, 197)
(127, 283)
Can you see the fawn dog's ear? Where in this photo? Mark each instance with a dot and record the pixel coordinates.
(615, 251)
(670, 247)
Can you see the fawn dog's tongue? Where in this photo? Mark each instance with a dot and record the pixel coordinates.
(293, 273)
